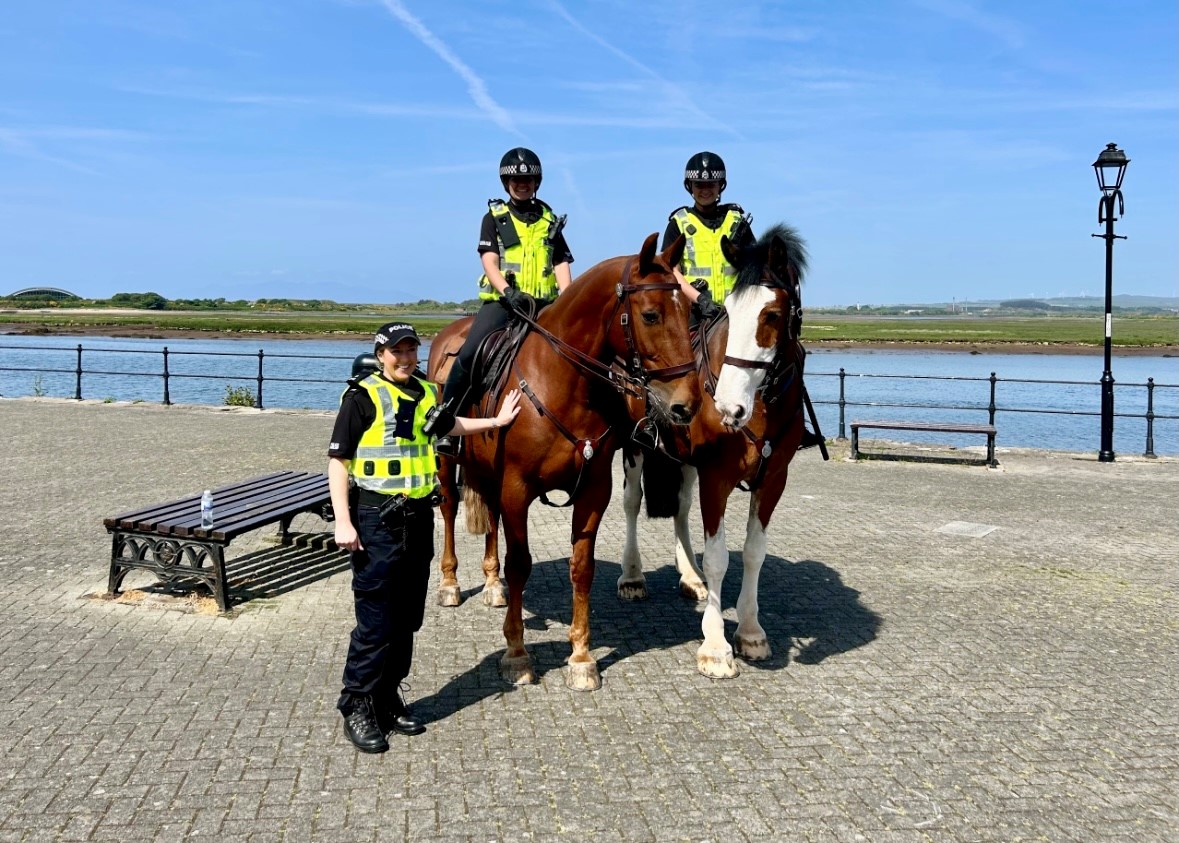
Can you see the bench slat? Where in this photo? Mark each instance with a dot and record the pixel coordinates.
(164, 511)
(939, 427)
(257, 516)
(230, 503)
(244, 506)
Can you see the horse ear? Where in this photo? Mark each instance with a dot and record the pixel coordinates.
(675, 251)
(732, 254)
(647, 255)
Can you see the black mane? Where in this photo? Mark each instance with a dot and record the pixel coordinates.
(754, 258)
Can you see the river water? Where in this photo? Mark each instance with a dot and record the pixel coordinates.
(931, 385)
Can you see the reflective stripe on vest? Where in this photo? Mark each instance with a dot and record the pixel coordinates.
(387, 463)
(531, 260)
(703, 257)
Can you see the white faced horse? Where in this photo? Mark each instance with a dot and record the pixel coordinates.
(747, 434)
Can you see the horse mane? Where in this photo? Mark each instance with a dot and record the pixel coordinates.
(755, 256)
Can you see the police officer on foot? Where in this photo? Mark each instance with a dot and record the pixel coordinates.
(525, 265)
(382, 477)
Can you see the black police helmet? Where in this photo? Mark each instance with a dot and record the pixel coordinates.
(364, 364)
(705, 166)
(519, 162)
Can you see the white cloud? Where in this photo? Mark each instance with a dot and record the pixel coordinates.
(475, 85)
(677, 95)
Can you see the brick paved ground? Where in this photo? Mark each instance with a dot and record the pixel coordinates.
(925, 686)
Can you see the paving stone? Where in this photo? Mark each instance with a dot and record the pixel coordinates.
(1015, 683)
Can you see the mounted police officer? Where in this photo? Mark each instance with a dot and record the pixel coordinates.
(382, 477)
(525, 265)
(705, 273)
(703, 265)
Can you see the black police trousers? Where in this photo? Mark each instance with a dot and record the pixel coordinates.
(390, 578)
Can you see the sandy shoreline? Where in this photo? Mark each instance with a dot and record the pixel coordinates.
(136, 332)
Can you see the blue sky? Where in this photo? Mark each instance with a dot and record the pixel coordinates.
(928, 150)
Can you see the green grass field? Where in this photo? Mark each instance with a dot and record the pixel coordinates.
(1128, 331)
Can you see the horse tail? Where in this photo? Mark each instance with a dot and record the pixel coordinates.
(478, 518)
(662, 479)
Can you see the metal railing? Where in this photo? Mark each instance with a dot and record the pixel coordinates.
(333, 370)
(257, 377)
(991, 408)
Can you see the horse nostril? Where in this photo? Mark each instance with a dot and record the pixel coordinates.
(739, 413)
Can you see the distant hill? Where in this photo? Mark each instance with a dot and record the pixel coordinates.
(1052, 304)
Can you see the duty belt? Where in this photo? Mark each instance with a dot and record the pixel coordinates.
(365, 497)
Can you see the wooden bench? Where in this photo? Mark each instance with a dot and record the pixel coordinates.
(168, 540)
(987, 430)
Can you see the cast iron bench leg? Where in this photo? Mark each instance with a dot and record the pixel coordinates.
(114, 583)
(220, 589)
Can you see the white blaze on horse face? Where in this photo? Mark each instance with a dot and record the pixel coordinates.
(736, 387)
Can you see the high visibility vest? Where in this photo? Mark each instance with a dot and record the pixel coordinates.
(528, 254)
(390, 464)
(702, 253)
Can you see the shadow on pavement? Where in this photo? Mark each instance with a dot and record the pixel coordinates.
(805, 608)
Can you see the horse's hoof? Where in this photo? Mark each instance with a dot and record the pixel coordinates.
(449, 595)
(717, 664)
(517, 670)
(493, 596)
(697, 591)
(583, 676)
(632, 590)
(753, 649)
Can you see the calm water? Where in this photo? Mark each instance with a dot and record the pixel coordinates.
(311, 373)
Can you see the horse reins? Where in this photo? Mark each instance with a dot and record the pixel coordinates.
(638, 378)
(635, 383)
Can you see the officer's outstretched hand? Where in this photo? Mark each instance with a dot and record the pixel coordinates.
(347, 537)
(509, 409)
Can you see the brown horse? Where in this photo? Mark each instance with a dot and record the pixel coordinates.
(746, 433)
(580, 407)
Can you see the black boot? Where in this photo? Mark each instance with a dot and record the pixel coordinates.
(809, 439)
(453, 393)
(360, 725)
(395, 716)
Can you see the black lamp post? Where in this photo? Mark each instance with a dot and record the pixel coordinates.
(1110, 167)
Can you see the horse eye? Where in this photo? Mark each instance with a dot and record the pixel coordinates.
(650, 317)
(772, 316)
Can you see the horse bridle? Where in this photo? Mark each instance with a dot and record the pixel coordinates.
(636, 379)
(777, 368)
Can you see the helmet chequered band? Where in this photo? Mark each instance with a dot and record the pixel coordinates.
(520, 169)
(704, 175)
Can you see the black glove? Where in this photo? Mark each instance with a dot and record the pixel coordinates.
(518, 301)
(706, 307)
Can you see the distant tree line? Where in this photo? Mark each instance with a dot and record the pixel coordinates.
(155, 301)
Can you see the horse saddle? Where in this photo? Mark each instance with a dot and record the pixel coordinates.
(493, 360)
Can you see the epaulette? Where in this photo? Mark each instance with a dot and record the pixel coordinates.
(671, 216)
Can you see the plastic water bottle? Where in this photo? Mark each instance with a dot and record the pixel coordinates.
(207, 509)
